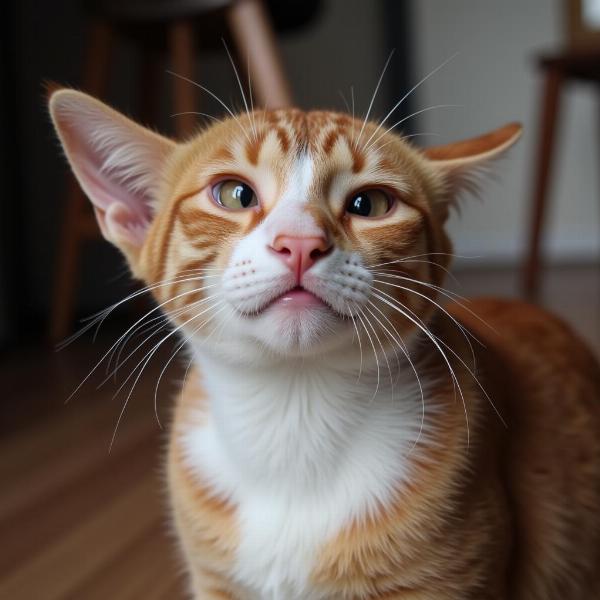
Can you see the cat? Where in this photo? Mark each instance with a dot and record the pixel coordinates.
(338, 435)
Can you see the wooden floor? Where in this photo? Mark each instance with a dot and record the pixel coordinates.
(78, 522)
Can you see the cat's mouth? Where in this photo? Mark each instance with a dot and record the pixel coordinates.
(295, 300)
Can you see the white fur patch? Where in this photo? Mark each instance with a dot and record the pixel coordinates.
(302, 450)
(289, 216)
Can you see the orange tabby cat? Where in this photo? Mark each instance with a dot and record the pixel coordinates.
(334, 439)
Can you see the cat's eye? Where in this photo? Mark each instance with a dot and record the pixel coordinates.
(234, 194)
(369, 203)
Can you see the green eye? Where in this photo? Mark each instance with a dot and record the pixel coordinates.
(369, 203)
(234, 194)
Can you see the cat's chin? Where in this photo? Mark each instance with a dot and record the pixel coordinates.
(299, 326)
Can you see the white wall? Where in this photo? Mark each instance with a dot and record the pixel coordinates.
(495, 79)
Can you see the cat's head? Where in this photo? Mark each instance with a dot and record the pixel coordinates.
(281, 231)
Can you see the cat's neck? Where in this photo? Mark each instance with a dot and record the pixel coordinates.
(304, 420)
(304, 448)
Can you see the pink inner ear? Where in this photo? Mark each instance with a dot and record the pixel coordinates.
(117, 162)
(123, 214)
(124, 226)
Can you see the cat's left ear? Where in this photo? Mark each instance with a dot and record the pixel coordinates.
(462, 163)
(117, 162)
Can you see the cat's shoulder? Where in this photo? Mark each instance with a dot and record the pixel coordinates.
(514, 327)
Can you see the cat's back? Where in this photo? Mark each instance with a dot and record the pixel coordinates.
(546, 383)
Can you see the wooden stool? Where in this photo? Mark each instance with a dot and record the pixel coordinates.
(251, 30)
(558, 70)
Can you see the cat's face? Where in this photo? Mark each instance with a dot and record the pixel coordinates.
(283, 231)
(290, 212)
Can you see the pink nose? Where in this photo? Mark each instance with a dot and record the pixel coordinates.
(300, 253)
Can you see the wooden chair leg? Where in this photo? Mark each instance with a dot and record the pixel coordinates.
(181, 47)
(255, 39)
(545, 152)
(75, 227)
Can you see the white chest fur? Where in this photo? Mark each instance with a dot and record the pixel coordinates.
(301, 450)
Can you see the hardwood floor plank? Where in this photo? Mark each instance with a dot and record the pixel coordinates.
(144, 569)
(76, 555)
(37, 524)
(68, 461)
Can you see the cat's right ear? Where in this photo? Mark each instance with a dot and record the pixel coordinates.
(117, 162)
(462, 163)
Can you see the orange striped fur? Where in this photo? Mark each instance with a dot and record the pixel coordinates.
(304, 462)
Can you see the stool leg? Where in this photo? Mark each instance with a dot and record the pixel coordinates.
(181, 46)
(255, 39)
(73, 232)
(545, 152)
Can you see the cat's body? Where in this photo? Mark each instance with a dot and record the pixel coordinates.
(515, 515)
(332, 440)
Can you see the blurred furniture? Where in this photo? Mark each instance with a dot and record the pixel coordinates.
(583, 23)
(151, 24)
(558, 70)
(580, 61)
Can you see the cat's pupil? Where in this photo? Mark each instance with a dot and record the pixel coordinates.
(361, 205)
(244, 194)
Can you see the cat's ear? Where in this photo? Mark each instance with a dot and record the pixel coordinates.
(116, 161)
(462, 163)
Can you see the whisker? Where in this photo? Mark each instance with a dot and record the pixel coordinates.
(155, 348)
(249, 79)
(360, 315)
(451, 296)
(412, 89)
(187, 370)
(387, 362)
(404, 349)
(145, 362)
(476, 380)
(416, 321)
(387, 62)
(392, 262)
(359, 341)
(407, 137)
(353, 118)
(179, 347)
(99, 318)
(404, 119)
(237, 76)
(344, 100)
(194, 112)
(432, 264)
(128, 330)
(161, 318)
(166, 322)
(465, 332)
(213, 95)
(419, 134)
(393, 274)
(459, 358)
(158, 323)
